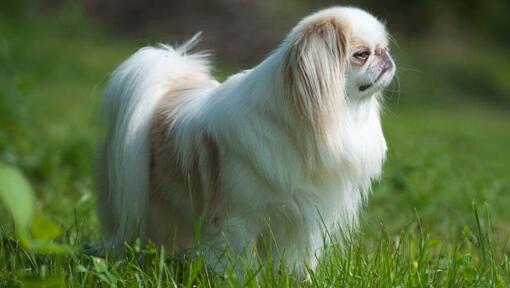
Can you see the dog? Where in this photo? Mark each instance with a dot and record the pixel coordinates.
(288, 148)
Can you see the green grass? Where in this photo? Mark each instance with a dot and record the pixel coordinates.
(448, 148)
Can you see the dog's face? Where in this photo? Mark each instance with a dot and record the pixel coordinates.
(371, 67)
(335, 56)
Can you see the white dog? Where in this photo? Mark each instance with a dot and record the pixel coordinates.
(286, 149)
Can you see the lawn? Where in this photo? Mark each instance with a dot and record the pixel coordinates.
(439, 216)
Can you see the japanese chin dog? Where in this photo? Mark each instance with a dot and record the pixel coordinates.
(285, 150)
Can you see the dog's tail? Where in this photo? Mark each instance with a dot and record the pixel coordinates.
(129, 103)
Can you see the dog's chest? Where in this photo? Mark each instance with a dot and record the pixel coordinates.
(357, 150)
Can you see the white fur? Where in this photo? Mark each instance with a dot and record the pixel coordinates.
(277, 175)
(130, 100)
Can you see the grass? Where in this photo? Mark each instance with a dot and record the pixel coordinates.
(448, 149)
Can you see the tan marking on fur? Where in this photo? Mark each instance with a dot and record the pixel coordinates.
(309, 95)
(200, 177)
(163, 220)
(210, 170)
(357, 44)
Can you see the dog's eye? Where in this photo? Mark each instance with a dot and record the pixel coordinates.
(362, 55)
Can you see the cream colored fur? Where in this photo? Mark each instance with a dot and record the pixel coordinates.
(287, 149)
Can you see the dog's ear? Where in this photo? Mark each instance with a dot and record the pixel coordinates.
(313, 67)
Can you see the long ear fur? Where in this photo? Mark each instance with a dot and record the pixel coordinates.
(313, 70)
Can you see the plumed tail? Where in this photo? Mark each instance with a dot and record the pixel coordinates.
(129, 103)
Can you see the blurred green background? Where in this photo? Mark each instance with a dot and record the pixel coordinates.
(446, 117)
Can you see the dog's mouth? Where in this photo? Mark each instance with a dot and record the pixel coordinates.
(365, 87)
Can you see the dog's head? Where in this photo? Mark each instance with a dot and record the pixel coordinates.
(335, 56)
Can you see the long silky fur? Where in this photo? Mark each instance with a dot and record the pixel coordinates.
(295, 155)
(130, 100)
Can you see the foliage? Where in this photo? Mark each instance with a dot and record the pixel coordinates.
(16, 193)
(448, 147)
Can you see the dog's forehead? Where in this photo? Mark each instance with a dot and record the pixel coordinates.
(364, 26)
(361, 24)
